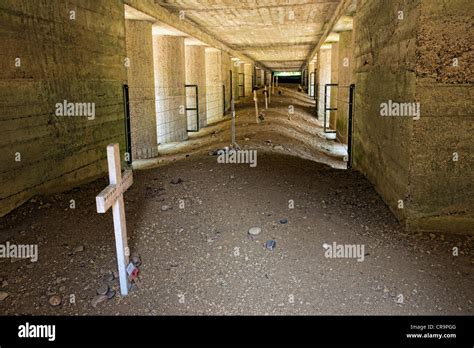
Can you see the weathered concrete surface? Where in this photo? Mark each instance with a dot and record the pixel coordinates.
(78, 60)
(248, 71)
(196, 75)
(312, 78)
(324, 77)
(139, 43)
(226, 72)
(346, 76)
(169, 65)
(214, 94)
(411, 161)
(335, 96)
(441, 188)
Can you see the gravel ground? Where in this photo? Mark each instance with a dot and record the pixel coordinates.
(199, 259)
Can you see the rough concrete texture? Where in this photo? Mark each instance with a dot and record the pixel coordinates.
(384, 67)
(235, 80)
(196, 75)
(248, 71)
(78, 60)
(335, 96)
(170, 78)
(139, 43)
(324, 77)
(345, 78)
(440, 187)
(278, 34)
(411, 161)
(214, 92)
(312, 78)
(226, 73)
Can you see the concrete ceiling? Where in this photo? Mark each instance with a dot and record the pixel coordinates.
(279, 34)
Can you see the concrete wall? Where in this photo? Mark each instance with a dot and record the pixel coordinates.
(78, 60)
(195, 58)
(214, 85)
(139, 43)
(169, 64)
(410, 60)
(346, 76)
(384, 67)
(441, 190)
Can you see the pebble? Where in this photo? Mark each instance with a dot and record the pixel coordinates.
(255, 231)
(136, 260)
(78, 249)
(278, 147)
(176, 181)
(110, 294)
(165, 207)
(283, 221)
(3, 295)
(55, 300)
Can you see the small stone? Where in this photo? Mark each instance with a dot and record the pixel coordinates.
(78, 249)
(270, 244)
(278, 147)
(102, 290)
(165, 207)
(255, 231)
(4, 283)
(432, 235)
(247, 139)
(176, 181)
(283, 221)
(110, 294)
(98, 299)
(3, 295)
(55, 300)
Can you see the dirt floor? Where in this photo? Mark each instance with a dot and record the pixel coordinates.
(199, 258)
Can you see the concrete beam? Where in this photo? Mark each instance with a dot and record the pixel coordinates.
(159, 13)
(343, 7)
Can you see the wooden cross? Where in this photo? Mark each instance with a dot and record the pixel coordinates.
(112, 196)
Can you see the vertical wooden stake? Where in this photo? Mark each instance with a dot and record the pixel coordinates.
(266, 101)
(256, 104)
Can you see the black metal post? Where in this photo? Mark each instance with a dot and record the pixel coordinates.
(128, 131)
(349, 126)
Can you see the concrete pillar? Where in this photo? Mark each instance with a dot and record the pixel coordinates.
(248, 72)
(324, 77)
(226, 71)
(241, 80)
(312, 79)
(139, 44)
(168, 55)
(345, 78)
(214, 97)
(334, 79)
(196, 75)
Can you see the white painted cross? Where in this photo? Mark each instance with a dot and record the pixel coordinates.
(112, 196)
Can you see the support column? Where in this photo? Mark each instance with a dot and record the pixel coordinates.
(345, 78)
(312, 78)
(139, 44)
(248, 71)
(195, 58)
(324, 76)
(334, 79)
(226, 68)
(214, 97)
(168, 55)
